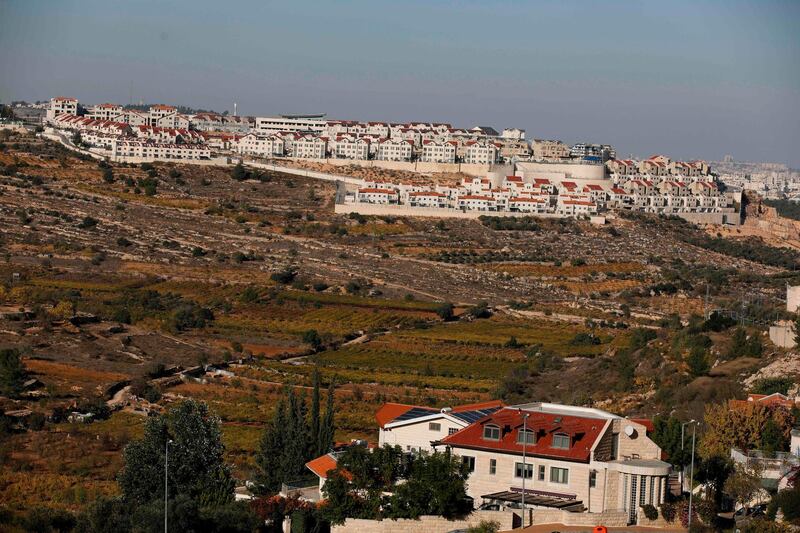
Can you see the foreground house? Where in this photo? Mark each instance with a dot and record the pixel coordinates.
(572, 459)
(576, 458)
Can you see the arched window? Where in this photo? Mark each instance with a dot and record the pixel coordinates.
(561, 441)
(491, 432)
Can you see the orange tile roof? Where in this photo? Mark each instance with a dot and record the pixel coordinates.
(390, 411)
(322, 465)
(583, 433)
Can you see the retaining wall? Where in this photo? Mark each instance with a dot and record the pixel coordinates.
(417, 166)
(425, 524)
(618, 518)
(404, 210)
(302, 172)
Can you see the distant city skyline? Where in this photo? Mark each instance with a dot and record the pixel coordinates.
(689, 79)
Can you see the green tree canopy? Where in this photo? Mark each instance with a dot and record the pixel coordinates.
(12, 373)
(196, 467)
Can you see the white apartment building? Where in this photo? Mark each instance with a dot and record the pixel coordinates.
(61, 105)
(111, 112)
(513, 133)
(292, 123)
(381, 129)
(310, 147)
(570, 206)
(350, 148)
(427, 199)
(394, 150)
(158, 151)
(371, 195)
(481, 153)
(163, 116)
(530, 204)
(476, 202)
(435, 152)
(261, 146)
(135, 118)
(544, 149)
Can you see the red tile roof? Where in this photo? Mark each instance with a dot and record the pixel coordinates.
(426, 193)
(378, 191)
(322, 465)
(646, 422)
(390, 411)
(583, 433)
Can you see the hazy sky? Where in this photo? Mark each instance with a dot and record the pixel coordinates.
(686, 78)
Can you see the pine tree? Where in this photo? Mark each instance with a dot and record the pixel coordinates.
(314, 429)
(698, 362)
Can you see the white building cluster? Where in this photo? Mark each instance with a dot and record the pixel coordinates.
(160, 134)
(530, 192)
(431, 143)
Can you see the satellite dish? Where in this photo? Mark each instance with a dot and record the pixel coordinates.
(629, 431)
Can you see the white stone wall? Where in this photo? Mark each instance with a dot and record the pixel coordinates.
(482, 482)
(426, 524)
(417, 436)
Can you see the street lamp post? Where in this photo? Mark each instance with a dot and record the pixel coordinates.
(691, 478)
(683, 426)
(524, 462)
(166, 483)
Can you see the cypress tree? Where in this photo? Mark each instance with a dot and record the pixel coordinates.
(295, 450)
(273, 441)
(327, 428)
(313, 439)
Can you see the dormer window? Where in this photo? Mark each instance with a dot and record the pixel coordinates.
(526, 436)
(561, 441)
(491, 433)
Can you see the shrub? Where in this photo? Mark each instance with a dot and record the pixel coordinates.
(772, 385)
(650, 512)
(87, 222)
(312, 337)
(585, 339)
(480, 310)
(35, 421)
(445, 311)
(485, 526)
(47, 520)
(285, 276)
(668, 512)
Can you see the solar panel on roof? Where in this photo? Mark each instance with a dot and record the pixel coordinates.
(475, 415)
(415, 412)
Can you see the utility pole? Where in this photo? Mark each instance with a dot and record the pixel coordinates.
(691, 479)
(166, 484)
(524, 463)
(683, 426)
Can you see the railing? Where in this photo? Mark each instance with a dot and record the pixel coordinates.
(774, 465)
